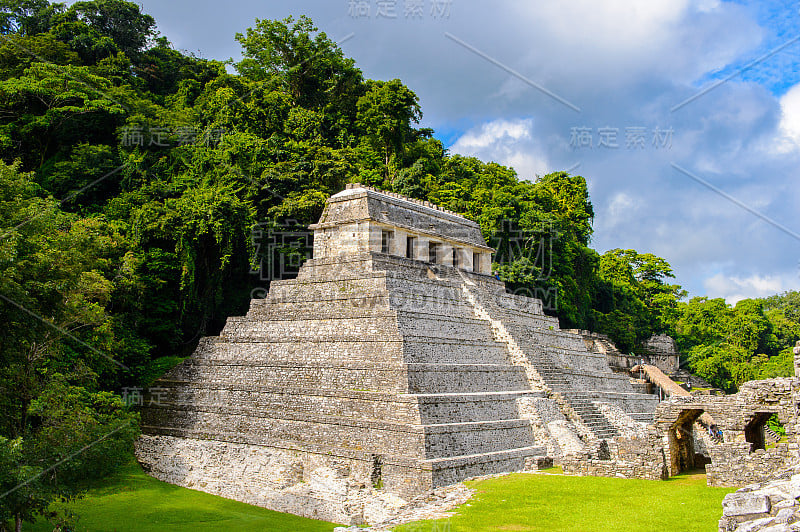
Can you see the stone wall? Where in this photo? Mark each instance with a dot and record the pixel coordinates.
(660, 351)
(638, 456)
(732, 437)
(771, 501)
(732, 464)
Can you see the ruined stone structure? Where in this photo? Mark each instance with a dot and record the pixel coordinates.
(773, 503)
(741, 456)
(393, 364)
(660, 351)
(728, 435)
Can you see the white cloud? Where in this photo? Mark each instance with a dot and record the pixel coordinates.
(613, 43)
(508, 142)
(621, 208)
(734, 288)
(790, 119)
(527, 165)
(588, 22)
(492, 133)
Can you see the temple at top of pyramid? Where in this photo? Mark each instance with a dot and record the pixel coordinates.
(361, 219)
(394, 363)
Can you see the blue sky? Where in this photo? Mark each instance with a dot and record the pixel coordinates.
(689, 159)
(780, 20)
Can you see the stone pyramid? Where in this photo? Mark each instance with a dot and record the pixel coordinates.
(394, 363)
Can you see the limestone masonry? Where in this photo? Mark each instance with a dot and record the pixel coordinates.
(393, 364)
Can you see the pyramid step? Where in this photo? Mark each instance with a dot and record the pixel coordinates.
(448, 439)
(445, 395)
(451, 461)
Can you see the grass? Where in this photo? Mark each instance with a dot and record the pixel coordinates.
(133, 501)
(771, 445)
(553, 501)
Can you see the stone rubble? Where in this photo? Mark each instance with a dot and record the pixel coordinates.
(436, 504)
(764, 507)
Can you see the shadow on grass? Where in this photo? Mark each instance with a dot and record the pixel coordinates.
(129, 500)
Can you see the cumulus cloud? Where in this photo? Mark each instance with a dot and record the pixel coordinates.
(508, 142)
(734, 288)
(621, 208)
(790, 118)
(492, 133)
(615, 41)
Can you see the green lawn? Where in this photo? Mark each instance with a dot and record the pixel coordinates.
(133, 501)
(563, 503)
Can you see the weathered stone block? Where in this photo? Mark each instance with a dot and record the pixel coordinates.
(735, 504)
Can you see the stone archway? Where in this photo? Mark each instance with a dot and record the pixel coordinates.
(680, 440)
(754, 430)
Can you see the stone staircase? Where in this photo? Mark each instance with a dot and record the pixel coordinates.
(591, 415)
(580, 402)
(462, 439)
(524, 335)
(770, 435)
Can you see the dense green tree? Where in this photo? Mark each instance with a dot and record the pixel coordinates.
(386, 114)
(59, 346)
(51, 107)
(634, 299)
(27, 17)
(18, 52)
(118, 21)
(294, 56)
(78, 435)
(728, 345)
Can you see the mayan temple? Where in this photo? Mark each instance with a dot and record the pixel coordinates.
(394, 363)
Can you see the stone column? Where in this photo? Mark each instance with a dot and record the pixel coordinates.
(796, 351)
(795, 429)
